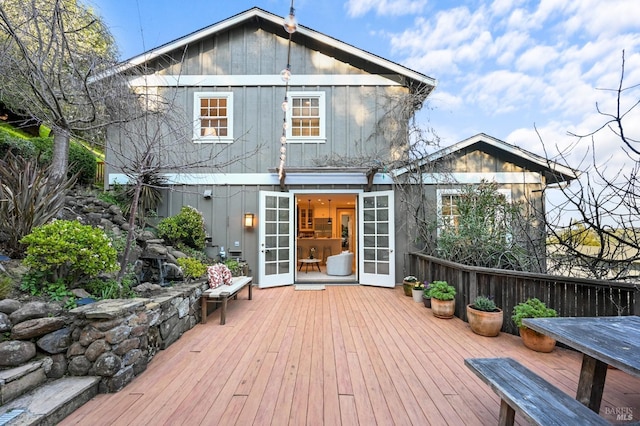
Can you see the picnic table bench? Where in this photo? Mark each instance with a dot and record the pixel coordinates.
(222, 294)
(523, 391)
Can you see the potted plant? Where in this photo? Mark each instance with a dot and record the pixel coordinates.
(442, 299)
(426, 295)
(484, 317)
(534, 308)
(407, 284)
(417, 291)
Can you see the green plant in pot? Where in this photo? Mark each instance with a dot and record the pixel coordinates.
(407, 284)
(534, 308)
(426, 295)
(484, 317)
(442, 299)
(417, 291)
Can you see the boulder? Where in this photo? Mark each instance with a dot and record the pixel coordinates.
(36, 327)
(96, 349)
(16, 352)
(107, 364)
(79, 366)
(29, 311)
(8, 306)
(58, 366)
(56, 342)
(5, 322)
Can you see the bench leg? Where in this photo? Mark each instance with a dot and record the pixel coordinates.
(223, 314)
(250, 291)
(591, 384)
(203, 308)
(507, 414)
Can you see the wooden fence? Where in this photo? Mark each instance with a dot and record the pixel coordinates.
(570, 296)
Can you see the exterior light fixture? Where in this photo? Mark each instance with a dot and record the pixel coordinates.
(290, 24)
(248, 220)
(329, 221)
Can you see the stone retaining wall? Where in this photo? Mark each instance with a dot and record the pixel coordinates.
(113, 339)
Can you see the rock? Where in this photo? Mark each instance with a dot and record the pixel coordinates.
(58, 367)
(89, 335)
(118, 334)
(79, 366)
(56, 342)
(147, 287)
(80, 293)
(75, 349)
(127, 345)
(107, 364)
(155, 250)
(16, 352)
(96, 349)
(131, 357)
(29, 311)
(5, 322)
(9, 306)
(36, 327)
(118, 381)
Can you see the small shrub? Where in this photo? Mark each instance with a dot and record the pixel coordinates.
(69, 251)
(186, 227)
(532, 308)
(235, 267)
(192, 268)
(83, 163)
(484, 303)
(441, 290)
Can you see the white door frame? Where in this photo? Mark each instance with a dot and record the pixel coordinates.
(376, 238)
(276, 259)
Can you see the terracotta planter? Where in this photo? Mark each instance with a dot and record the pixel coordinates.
(407, 287)
(443, 308)
(426, 301)
(536, 341)
(485, 323)
(417, 295)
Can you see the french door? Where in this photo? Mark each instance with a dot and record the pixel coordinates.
(276, 256)
(376, 239)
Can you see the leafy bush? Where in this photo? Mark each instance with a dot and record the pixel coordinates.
(192, 268)
(441, 290)
(16, 145)
(532, 308)
(69, 251)
(6, 285)
(235, 267)
(186, 227)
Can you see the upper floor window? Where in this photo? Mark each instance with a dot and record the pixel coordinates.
(306, 117)
(213, 117)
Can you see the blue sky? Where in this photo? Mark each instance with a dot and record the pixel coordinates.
(503, 67)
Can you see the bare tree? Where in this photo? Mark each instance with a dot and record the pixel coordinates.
(49, 52)
(602, 240)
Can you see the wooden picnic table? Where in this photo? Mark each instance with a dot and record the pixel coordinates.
(603, 341)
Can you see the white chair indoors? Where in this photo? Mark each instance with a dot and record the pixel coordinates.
(340, 264)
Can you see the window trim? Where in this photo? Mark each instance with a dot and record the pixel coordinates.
(197, 118)
(456, 191)
(321, 138)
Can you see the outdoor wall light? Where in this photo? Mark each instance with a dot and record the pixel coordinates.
(207, 194)
(248, 220)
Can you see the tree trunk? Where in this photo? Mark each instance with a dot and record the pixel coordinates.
(60, 157)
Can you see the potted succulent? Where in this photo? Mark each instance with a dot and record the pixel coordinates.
(417, 291)
(442, 299)
(407, 284)
(534, 308)
(484, 317)
(426, 295)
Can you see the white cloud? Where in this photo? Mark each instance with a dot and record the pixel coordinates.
(536, 58)
(385, 7)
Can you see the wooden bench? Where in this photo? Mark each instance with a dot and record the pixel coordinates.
(530, 395)
(221, 294)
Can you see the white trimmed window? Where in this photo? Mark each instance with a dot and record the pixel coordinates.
(213, 117)
(306, 120)
(448, 214)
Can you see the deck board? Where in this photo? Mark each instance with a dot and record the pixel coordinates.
(346, 355)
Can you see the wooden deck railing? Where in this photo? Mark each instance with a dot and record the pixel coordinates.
(570, 296)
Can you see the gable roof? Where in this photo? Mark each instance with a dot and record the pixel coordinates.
(552, 171)
(273, 23)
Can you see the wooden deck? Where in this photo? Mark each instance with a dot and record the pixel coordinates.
(347, 355)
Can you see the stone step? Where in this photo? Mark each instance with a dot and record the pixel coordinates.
(20, 380)
(49, 403)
